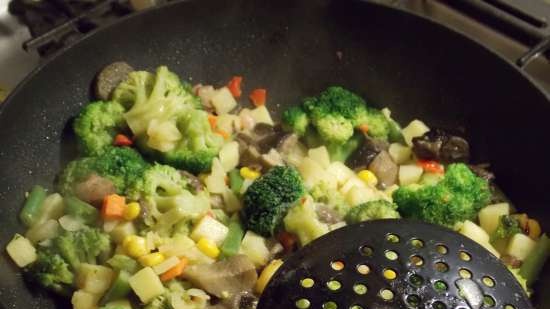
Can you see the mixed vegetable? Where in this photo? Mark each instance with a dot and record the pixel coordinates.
(182, 199)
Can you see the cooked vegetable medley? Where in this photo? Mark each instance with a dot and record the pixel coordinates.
(183, 199)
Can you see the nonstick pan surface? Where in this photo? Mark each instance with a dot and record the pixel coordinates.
(416, 67)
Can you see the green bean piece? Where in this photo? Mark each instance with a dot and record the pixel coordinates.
(33, 206)
(81, 210)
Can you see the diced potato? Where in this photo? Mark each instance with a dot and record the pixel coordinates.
(166, 265)
(340, 172)
(176, 246)
(409, 174)
(227, 122)
(95, 279)
(146, 284)
(320, 155)
(223, 101)
(210, 228)
(84, 300)
(215, 182)
(109, 225)
(360, 195)
(474, 232)
(231, 201)
(261, 115)
(489, 217)
(400, 153)
(414, 129)
(21, 251)
(52, 208)
(229, 156)
(352, 182)
(254, 246)
(477, 234)
(520, 246)
(312, 172)
(42, 231)
(122, 230)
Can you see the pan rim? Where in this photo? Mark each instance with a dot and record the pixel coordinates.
(88, 36)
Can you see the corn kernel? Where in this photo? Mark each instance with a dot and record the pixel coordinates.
(208, 247)
(132, 211)
(135, 246)
(151, 259)
(368, 177)
(248, 173)
(266, 275)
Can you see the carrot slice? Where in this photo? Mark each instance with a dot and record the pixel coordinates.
(223, 133)
(258, 96)
(122, 140)
(234, 86)
(213, 120)
(364, 128)
(431, 166)
(113, 207)
(174, 271)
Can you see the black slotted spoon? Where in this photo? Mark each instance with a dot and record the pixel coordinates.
(393, 264)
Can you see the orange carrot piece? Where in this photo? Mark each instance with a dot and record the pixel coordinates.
(364, 128)
(174, 271)
(223, 133)
(234, 86)
(258, 96)
(123, 140)
(213, 120)
(113, 207)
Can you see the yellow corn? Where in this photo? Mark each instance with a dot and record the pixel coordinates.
(368, 177)
(208, 247)
(266, 275)
(151, 259)
(248, 173)
(132, 211)
(135, 246)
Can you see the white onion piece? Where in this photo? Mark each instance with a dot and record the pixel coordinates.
(471, 291)
(70, 223)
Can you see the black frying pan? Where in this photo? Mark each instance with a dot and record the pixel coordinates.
(418, 68)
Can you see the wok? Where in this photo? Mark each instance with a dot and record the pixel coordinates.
(414, 66)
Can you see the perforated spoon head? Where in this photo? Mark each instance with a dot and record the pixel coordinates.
(393, 264)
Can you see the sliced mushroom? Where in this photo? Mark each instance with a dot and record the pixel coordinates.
(327, 215)
(368, 150)
(271, 159)
(194, 181)
(291, 149)
(439, 145)
(93, 189)
(385, 169)
(109, 78)
(231, 276)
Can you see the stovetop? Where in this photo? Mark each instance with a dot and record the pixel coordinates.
(81, 16)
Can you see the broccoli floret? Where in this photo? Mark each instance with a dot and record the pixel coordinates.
(268, 199)
(167, 199)
(295, 120)
(166, 119)
(82, 246)
(121, 165)
(123, 262)
(378, 125)
(331, 197)
(456, 198)
(302, 220)
(507, 227)
(379, 209)
(159, 302)
(55, 266)
(97, 124)
(52, 272)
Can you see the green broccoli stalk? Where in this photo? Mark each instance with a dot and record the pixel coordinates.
(167, 199)
(97, 124)
(331, 197)
(52, 272)
(331, 119)
(55, 266)
(456, 198)
(159, 302)
(379, 209)
(302, 220)
(268, 199)
(166, 119)
(121, 165)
